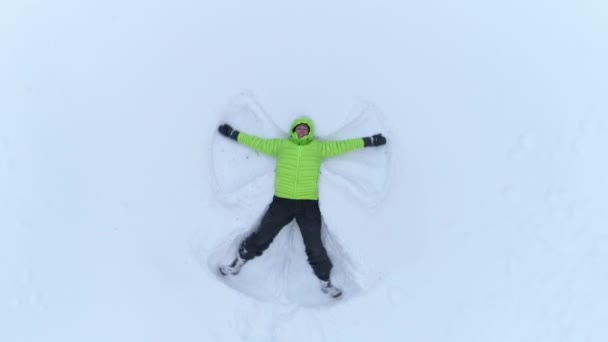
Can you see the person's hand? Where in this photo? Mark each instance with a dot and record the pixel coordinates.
(374, 140)
(229, 132)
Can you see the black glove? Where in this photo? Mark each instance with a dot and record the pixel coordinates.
(227, 131)
(374, 140)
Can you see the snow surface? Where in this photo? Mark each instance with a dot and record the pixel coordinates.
(483, 219)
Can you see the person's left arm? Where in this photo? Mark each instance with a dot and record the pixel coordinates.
(338, 147)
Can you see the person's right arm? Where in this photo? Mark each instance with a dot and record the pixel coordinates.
(266, 146)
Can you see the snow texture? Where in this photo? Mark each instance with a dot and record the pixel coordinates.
(483, 219)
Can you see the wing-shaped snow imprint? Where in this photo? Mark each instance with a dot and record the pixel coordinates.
(236, 169)
(282, 274)
(364, 174)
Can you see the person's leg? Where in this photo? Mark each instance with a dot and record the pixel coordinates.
(279, 214)
(308, 217)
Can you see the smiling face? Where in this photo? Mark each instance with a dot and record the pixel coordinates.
(301, 130)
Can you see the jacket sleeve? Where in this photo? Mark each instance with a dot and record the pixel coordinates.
(337, 147)
(266, 146)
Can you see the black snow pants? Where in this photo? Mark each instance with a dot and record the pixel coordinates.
(280, 213)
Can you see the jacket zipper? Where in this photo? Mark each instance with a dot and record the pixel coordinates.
(295, 185)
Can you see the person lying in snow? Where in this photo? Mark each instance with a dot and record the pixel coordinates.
(296, 193)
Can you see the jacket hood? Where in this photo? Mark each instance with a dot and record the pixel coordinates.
(307, 138)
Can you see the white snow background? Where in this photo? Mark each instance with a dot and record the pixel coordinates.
(484, 218)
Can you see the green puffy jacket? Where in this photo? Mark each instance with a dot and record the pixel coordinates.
(299, 160)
